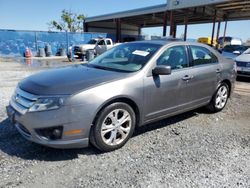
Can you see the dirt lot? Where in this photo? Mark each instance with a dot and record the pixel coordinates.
(195, 149)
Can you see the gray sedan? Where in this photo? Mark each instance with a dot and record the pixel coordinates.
(130, 85)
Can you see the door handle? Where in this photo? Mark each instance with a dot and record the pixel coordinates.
(218, 71)
(187, 77)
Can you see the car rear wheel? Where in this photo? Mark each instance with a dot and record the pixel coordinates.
(113, 127)
(219, 99)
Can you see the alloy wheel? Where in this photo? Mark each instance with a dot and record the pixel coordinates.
(116, 127)
(221, 97)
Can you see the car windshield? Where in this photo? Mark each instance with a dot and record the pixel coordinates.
(128, 57)
(226, 39)
(232, 48)
(92, 41)
(247, 51)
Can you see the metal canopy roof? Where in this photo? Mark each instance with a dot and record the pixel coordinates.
(230, 10)
(129, 13)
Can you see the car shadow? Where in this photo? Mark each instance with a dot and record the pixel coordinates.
(13, 144)
(243, 79)
(167, 121)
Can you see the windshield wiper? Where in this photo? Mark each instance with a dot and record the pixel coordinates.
(107, 68)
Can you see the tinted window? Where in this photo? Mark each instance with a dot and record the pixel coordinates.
(92, 41)
(232, 48)
(202, 56)
(108, 42)
(175, 57)
(101, 42)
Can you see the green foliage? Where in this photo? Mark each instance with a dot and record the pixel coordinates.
(71, 22)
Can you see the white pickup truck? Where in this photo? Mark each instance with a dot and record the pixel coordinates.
(100, 45)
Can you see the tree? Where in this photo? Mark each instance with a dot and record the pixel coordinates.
(71, 22)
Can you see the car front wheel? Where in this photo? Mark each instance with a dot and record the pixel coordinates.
(113, 127)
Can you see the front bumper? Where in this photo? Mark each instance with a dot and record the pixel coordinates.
(27, 125)
(243, 71)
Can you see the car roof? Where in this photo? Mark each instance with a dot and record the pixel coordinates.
(164, 42)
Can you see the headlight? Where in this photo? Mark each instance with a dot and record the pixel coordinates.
(47, 104)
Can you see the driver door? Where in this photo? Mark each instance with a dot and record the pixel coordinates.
(165, 94)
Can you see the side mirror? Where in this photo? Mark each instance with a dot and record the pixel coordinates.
(236, 52)
(161, 70)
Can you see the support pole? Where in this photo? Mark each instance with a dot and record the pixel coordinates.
(171, 33)
(85, 26)
(118, 30)
(139, 31)
(218, 33)
(225, 31)
(185, 29)
(175, 31)
(214, 20)
(36, 41)
(165, 19)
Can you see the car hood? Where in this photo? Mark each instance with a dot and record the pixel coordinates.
(68, 80)
(229, 55)
(86, 46)
(243, 57)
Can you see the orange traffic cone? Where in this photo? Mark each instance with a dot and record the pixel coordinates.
(28, 53)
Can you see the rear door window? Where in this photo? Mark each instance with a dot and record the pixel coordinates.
(108, 42)
(202, 56)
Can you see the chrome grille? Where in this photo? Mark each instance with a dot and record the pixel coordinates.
(21, 101)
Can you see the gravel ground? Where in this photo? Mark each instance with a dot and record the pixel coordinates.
(195, 149)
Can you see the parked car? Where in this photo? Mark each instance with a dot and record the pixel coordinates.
(243, 64)
(132, 84)
(232, 51)
(100, 45)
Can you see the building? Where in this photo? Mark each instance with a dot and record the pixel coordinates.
(173, 13)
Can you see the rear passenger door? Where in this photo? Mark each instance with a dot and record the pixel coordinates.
(205, 74)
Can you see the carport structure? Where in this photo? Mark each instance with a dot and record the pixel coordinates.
(172, 14)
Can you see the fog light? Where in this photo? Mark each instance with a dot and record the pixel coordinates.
(52, 133)
(57, 133)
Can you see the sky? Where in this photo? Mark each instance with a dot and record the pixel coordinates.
(35, 14)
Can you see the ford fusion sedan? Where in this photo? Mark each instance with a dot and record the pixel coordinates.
(130, 85)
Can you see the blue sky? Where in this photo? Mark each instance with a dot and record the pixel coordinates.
(34, 15)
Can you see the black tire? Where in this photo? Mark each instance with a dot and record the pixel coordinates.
(212, 106)
(95, 133)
